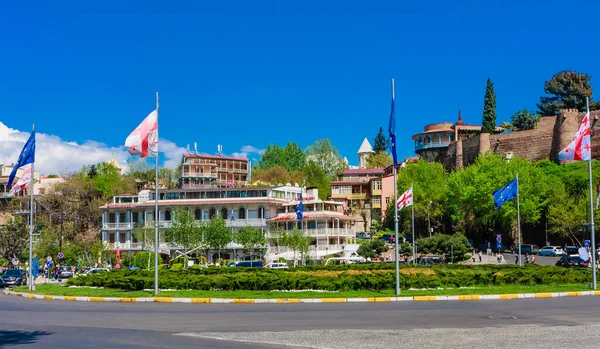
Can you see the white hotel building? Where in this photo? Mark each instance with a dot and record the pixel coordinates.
(215, 184)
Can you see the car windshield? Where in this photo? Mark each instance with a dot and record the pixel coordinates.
(12, 272)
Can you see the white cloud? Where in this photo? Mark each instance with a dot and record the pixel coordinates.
(242, 155)
(54, 155)
(251, 149)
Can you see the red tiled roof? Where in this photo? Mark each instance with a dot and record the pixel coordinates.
(363, 171)
(217, 157)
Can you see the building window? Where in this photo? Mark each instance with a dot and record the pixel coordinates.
(198, 214)
(387, 200)
(111, 218)
(242, 213)
(122, 217)
(224, 213)
(135, 217)
(211, 213)
(377, 185)
(261, 212)
(167, 215)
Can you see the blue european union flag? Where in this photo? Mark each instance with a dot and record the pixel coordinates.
(27, 157)
(299, 209)
(506, 193)
(392, 131)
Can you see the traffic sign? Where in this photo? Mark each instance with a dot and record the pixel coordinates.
(499, 245)
(49, 259)
(15, 261)
(48, 264)
(586, 243)
(61, 255)
(499, 238)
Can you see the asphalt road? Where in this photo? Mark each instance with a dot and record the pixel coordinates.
(526, 323)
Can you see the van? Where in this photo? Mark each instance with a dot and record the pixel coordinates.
(245, 264)
(276, 265)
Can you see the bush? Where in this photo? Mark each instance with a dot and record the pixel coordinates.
(443, 244)
(375, 277)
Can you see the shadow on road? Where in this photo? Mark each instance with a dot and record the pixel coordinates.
(20, 337)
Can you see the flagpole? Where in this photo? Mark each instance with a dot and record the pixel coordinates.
(30, 281)
(413, 224)
(397, 263)
(592, 231)
(519, 222)
(156, 220)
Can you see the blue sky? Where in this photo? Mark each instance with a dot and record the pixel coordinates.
(250, 73)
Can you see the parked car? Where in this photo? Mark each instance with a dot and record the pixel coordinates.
(66, 272)
(389, 238)
(430, 260)
(95, 271)
(3, 284)
(526, 249)
(551, 251)
(571, 250)
(245, 264)
(572, 261)
(363, 235)
(14, 277)
(275, 265)
(133, 267)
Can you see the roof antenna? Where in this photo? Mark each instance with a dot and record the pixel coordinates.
(195, 148)
(219, 149)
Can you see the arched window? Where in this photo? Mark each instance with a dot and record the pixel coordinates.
(211, 213)
(224, 214)
(198, 214)
(261, 212)
(2, 190)
(167, 215)
(242, 213)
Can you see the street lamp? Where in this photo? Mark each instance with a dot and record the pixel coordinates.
(428, 221)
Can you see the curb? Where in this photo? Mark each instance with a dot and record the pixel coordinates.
(305, 300)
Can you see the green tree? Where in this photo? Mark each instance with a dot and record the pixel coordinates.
(297, 242)
(291, 157)
(273, 175)
(566, 212)
(325, 156)
(566, 90)
(524, 120)
(381, 142)
(250, 238)
(14, 236)
(316, 177)
(184, 231)
(489, 109)
(379, 160)
(372, 249)
(443, 244)
(216, 234)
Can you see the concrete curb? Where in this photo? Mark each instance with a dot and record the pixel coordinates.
(306, 300)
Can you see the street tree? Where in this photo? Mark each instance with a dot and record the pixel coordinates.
(291, 157)
(297, 242)
(184, 231)
(566, 212)
(380, 143)
(379, 160)
(566, 90)
(14, 237)
(372, 249)
(250, 238)
(489, 109)
(216, 234)
(317, 177)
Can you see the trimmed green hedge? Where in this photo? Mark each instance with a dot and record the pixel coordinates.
(375, 277)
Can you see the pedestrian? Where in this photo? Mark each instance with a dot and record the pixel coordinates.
(498, 259)
(533, 258)
(480, 257)
(516, 258)
(526, 258)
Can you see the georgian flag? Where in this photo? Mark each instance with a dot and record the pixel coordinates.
(23, 181)
(580, 149)
(144, 139)
(405, 199)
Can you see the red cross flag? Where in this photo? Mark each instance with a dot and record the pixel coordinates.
(580, 148)
(144, 139)
(405, 199)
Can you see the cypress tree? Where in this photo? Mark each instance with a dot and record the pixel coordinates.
(488, 124)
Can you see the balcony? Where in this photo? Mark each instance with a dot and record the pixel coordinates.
(199, 174)
(313, 248)
(320, 232)
(376, 205)
(118, 225)
(238, 223)
(197, 186)
(432, 145)
(375, 192)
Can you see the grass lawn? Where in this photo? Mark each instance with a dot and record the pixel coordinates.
(60, 290)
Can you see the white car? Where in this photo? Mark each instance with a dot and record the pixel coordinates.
(551, 251)
(277, 265)
(95, 271)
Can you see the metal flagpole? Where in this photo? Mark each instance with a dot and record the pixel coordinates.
(157, 216)
(30, 282)
(413, 224)
(593, 233)
(396, 215)
(519, 222)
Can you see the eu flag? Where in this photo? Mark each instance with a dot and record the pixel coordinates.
(27, 157)
(506, 193)
(299, 209)
(392, 131)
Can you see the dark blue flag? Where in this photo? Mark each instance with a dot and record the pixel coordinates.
(392, 131)
(27, 157)
(506, 193)
(299, 209)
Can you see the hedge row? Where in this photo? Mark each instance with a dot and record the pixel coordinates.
(337, 280)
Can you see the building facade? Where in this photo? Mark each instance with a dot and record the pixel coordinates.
(206, 171)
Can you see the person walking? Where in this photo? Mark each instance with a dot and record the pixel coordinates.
(480, 257)
(516, 258)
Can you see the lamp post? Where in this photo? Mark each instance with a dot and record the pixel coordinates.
(428, 221)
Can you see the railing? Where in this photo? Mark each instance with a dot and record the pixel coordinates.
(117, 225)
(325, 232)
(199, 174)
(230, 223)
(429, 145)
(197, 186)
(312, 248)
(376, 192)
(127, 245)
